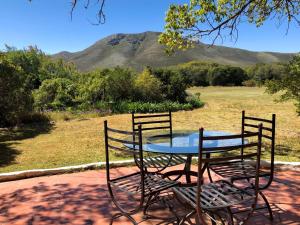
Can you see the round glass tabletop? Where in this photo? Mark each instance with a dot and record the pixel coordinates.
(184, 142)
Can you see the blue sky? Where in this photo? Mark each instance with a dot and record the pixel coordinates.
(47, 24)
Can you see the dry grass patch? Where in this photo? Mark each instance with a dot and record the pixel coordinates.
(79, 141)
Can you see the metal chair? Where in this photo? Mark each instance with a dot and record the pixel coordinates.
(144, 186)
(240, 169)
(215, 198)
(157, 122)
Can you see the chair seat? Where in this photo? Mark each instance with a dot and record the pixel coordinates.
(236, 170)
(132, 184)
(215, 195)
(162, 161)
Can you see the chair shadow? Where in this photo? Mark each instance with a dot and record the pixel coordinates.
(86, 204)
(11, 136)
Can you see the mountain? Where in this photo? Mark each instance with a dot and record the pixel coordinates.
(143, 49)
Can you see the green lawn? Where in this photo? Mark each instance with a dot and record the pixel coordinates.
(80, 140)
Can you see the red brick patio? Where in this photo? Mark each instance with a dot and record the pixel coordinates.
(82, 198)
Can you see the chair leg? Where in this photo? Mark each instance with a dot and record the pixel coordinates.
(187, 216)
(149, 202)
(214, 220)
(267, 204)
(118, 215)
(209, 175)
(230, 215)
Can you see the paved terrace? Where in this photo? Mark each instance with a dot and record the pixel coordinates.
(82, 198)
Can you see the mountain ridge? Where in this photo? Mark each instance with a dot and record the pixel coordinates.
(142, 49)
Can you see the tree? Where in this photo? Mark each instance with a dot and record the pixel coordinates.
(173, 84)
(30, 61)
(119, 84)
(289, 84)
(148, 87)
(226, 76)
(262, 72)
(15, 100)
(91, 87)
(186, 23)
(57, 94)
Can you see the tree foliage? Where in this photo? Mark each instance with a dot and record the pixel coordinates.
(57, 94)
(119, 85)
(15, 98)
(30, 61)
(262, 72)
(207, 73)
(173, 84)
(148, 87)
(186, 23)
(91, 87)
(289, 84)
(226, 76)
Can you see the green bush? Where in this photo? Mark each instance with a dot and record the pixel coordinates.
(147, 107)
(55, 94)
(195, 102)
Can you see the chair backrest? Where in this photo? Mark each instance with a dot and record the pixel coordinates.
(113, 142)
(159, 121)
(154, 122)
(250, 124)
(208, 154)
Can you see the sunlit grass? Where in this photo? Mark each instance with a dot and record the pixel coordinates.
(76, 140)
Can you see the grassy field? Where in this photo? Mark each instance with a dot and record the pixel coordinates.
(80, 140)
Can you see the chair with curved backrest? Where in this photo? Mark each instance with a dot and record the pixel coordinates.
(144, 187)
(243, 170)
(221, 196)
(157, 122)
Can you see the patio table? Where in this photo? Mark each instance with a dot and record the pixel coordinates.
(185, 143)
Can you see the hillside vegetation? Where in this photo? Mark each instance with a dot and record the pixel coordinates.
(143, 49)
(38, 83)
(80, 140)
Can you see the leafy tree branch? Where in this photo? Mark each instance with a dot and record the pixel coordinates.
(216, 19)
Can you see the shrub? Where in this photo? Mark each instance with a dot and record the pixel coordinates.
(249, 83)
(147, 107)
(195, 102)
(35, 117)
